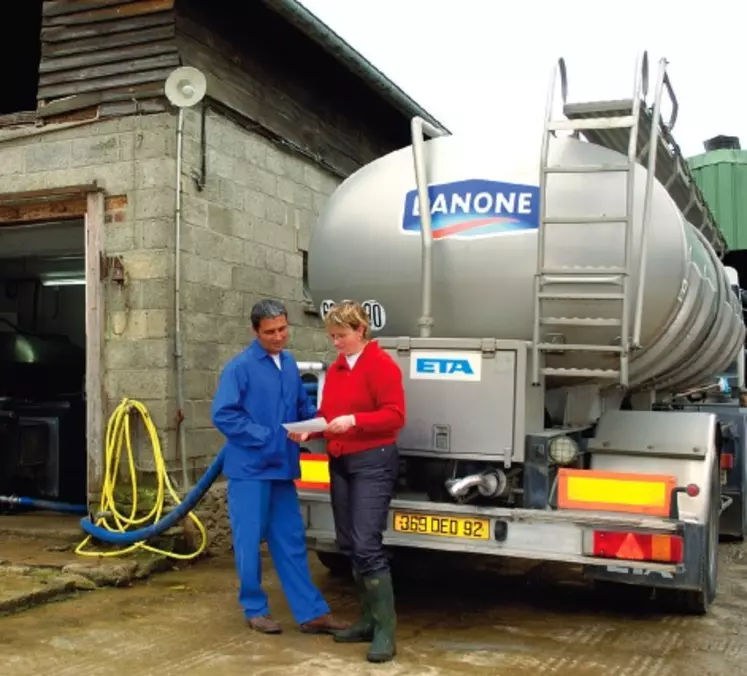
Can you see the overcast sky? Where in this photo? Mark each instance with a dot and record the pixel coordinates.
(487, 62)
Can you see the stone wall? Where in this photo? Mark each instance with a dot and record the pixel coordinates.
(245, 233)
(134, 158)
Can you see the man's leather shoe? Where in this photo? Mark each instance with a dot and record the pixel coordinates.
(265, 625)
(325, 624)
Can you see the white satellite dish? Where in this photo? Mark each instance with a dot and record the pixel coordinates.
(186, 87)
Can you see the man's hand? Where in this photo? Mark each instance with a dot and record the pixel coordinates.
(298, 437)
(341, 424)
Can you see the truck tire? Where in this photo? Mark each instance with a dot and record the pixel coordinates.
(337, 564)
(691, 602)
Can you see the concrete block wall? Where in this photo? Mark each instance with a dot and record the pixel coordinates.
(133, 157)
(244, 236)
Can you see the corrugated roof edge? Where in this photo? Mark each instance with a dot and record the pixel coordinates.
(726, 156)
(325, 37)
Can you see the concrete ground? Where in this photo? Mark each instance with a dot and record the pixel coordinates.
(493, 619)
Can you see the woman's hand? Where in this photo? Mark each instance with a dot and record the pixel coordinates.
(341, 424)
(298, 437)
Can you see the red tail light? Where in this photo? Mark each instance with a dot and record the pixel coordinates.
(727, 461)
(638, 546)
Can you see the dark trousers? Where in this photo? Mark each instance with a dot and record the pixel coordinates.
(362, 485)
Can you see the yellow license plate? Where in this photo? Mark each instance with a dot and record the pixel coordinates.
(444, 526)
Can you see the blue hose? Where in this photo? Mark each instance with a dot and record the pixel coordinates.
(48, 505)
(170, 520)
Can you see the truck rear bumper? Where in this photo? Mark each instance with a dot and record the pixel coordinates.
(564, 536)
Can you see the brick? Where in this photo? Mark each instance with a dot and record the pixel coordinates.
(200, 414)
(194, 210)
(142, 324)
(195, 269)
(155, 173)
(200, 356)
(11, 161)
(137, 384)
(274, 162)
(154, 203)
(207, 243)
(121, 354)
(148, 264)
(275, 260)
(275, 211)
(231, 249)
(223, 220)
(247, 279)
(154, 144)
(157, 233)
(198, 384)
(119, 237)
(255, 254)
(255, 149)
(303, 197)
(200, 327)
(254, 204)
(96, 150)
(286, 190)
(221, 274)
(204, 442)
(200, 298)
(155, 294)
(231, 303)
(220, 165)
(47, 156)
(230, 194)
(294, 265)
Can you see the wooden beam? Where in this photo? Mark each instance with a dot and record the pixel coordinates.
(55, 209)
(14, 198)
(95, 207)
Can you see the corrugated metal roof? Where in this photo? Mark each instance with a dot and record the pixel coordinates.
(722, 178)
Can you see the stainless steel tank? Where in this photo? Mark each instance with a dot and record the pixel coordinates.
(367, 245)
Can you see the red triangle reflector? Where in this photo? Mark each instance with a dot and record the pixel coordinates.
(631, 549)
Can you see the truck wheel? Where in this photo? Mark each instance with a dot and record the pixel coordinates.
(337, 564)
(689, 602)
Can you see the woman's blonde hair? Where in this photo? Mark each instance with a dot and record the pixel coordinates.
(348, 313)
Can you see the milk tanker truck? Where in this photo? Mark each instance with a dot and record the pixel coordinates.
(552, 317)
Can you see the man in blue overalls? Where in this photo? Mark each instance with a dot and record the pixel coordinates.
(259, 390)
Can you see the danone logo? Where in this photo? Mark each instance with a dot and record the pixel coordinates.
(475, 208)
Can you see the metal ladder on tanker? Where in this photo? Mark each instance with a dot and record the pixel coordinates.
(616, 125)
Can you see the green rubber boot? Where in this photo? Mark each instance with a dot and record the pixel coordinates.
(362, 630)
(381, 597)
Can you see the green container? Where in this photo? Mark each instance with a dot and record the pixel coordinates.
(721, 176)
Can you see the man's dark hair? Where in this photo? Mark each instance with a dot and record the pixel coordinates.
(267, 309)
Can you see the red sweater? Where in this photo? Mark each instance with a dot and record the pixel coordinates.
(373, 392)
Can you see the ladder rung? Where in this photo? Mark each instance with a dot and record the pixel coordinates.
(576, 270)
(571, 347)
(579, 321)
(588, 169)
(572, 220)
(582, 373)
(561, 295)
(624, 122)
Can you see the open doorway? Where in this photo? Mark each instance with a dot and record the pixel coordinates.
(43, 361)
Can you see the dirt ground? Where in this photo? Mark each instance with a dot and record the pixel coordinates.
(491, 619)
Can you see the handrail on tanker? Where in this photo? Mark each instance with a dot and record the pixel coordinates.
(418, 126)
(662, 82)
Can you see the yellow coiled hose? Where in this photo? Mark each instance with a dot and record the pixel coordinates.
(118, 438)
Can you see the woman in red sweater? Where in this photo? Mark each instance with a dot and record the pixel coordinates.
(364, 401)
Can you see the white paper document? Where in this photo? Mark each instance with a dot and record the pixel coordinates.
(313, 425)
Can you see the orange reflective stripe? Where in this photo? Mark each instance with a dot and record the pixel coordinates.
(314, 472)
(615, 491)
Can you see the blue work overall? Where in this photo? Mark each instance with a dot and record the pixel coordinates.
(254, 398)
